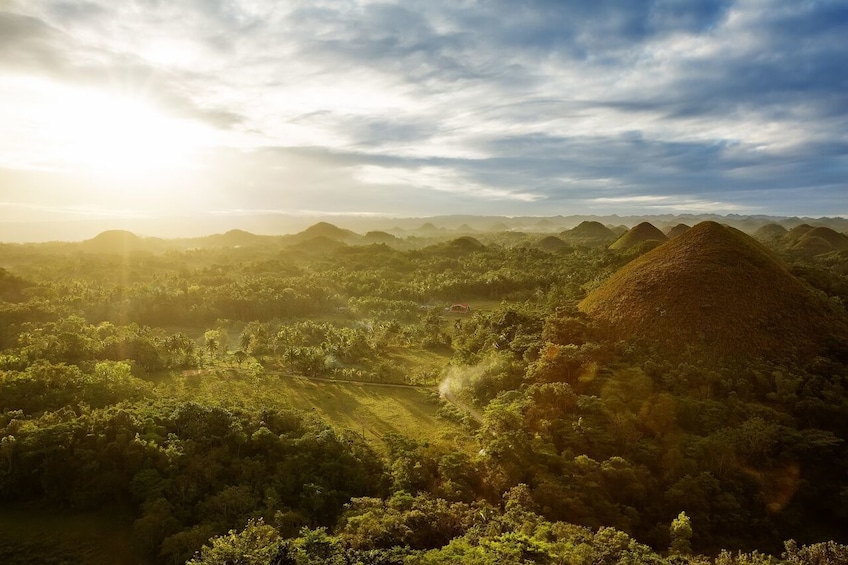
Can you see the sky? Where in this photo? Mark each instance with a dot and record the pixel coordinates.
(416, 108)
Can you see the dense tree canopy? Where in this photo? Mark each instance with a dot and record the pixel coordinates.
(572, 444)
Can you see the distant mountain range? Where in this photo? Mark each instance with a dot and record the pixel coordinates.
(281, 224)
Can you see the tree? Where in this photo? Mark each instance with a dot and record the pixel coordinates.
(681, 535)
(256, 544)
(212, 343)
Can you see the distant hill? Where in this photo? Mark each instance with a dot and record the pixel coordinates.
(551, 243)
(792, 236)
(428, 227)
(770, 233)
(638, 236)
(720, 292)
(821, 240)
(325, 230)
(458, 247)
(113, 241)
(319, 245)
(545, 224)
(677, 231)
(381, 237)
(619, 230)
(466, 243)
(234, 238)
(589, 233)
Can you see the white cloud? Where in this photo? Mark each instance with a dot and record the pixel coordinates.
(667, 203)
(441, 180)
(530, 106)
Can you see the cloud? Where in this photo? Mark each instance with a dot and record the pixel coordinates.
(29, 45)
(539, 106)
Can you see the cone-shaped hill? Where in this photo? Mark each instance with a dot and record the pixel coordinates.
(717, 291)
(234, 238)
(466, 243)
(770, 233)
(796, 233)
(457, 247)
(821, 240)
(325, 230)
(113, 241)
(589, 233)
(677, 231)
(551, 244)
(639, 235)
(381, 237)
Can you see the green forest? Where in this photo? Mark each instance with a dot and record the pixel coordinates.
(596, 396)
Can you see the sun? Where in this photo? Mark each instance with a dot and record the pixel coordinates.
(118, 135)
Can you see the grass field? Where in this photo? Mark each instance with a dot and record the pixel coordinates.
(372, 410)
(47, 537)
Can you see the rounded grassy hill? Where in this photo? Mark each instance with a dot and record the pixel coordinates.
(677, 230)
(719, 292)
(589, 233)
(639, 235)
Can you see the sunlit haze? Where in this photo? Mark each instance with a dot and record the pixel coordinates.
(116, 110)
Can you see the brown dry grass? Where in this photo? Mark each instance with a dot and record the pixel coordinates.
(717, 290)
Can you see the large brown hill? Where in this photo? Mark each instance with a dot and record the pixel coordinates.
(715, 291)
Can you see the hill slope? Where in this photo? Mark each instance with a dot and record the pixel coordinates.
(325, 230)
(381, 237)
(639, 235)
(770, 233)
(589, 233)
(822, 240)
(792, 236)
(551, 243)
(718, 290)
(677, 230)
(113, 241)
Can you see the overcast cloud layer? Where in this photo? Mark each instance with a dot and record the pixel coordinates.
(437, 107)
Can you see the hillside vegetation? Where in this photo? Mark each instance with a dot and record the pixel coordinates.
(316, 399)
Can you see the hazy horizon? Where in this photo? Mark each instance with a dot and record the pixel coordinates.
(280, 224)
